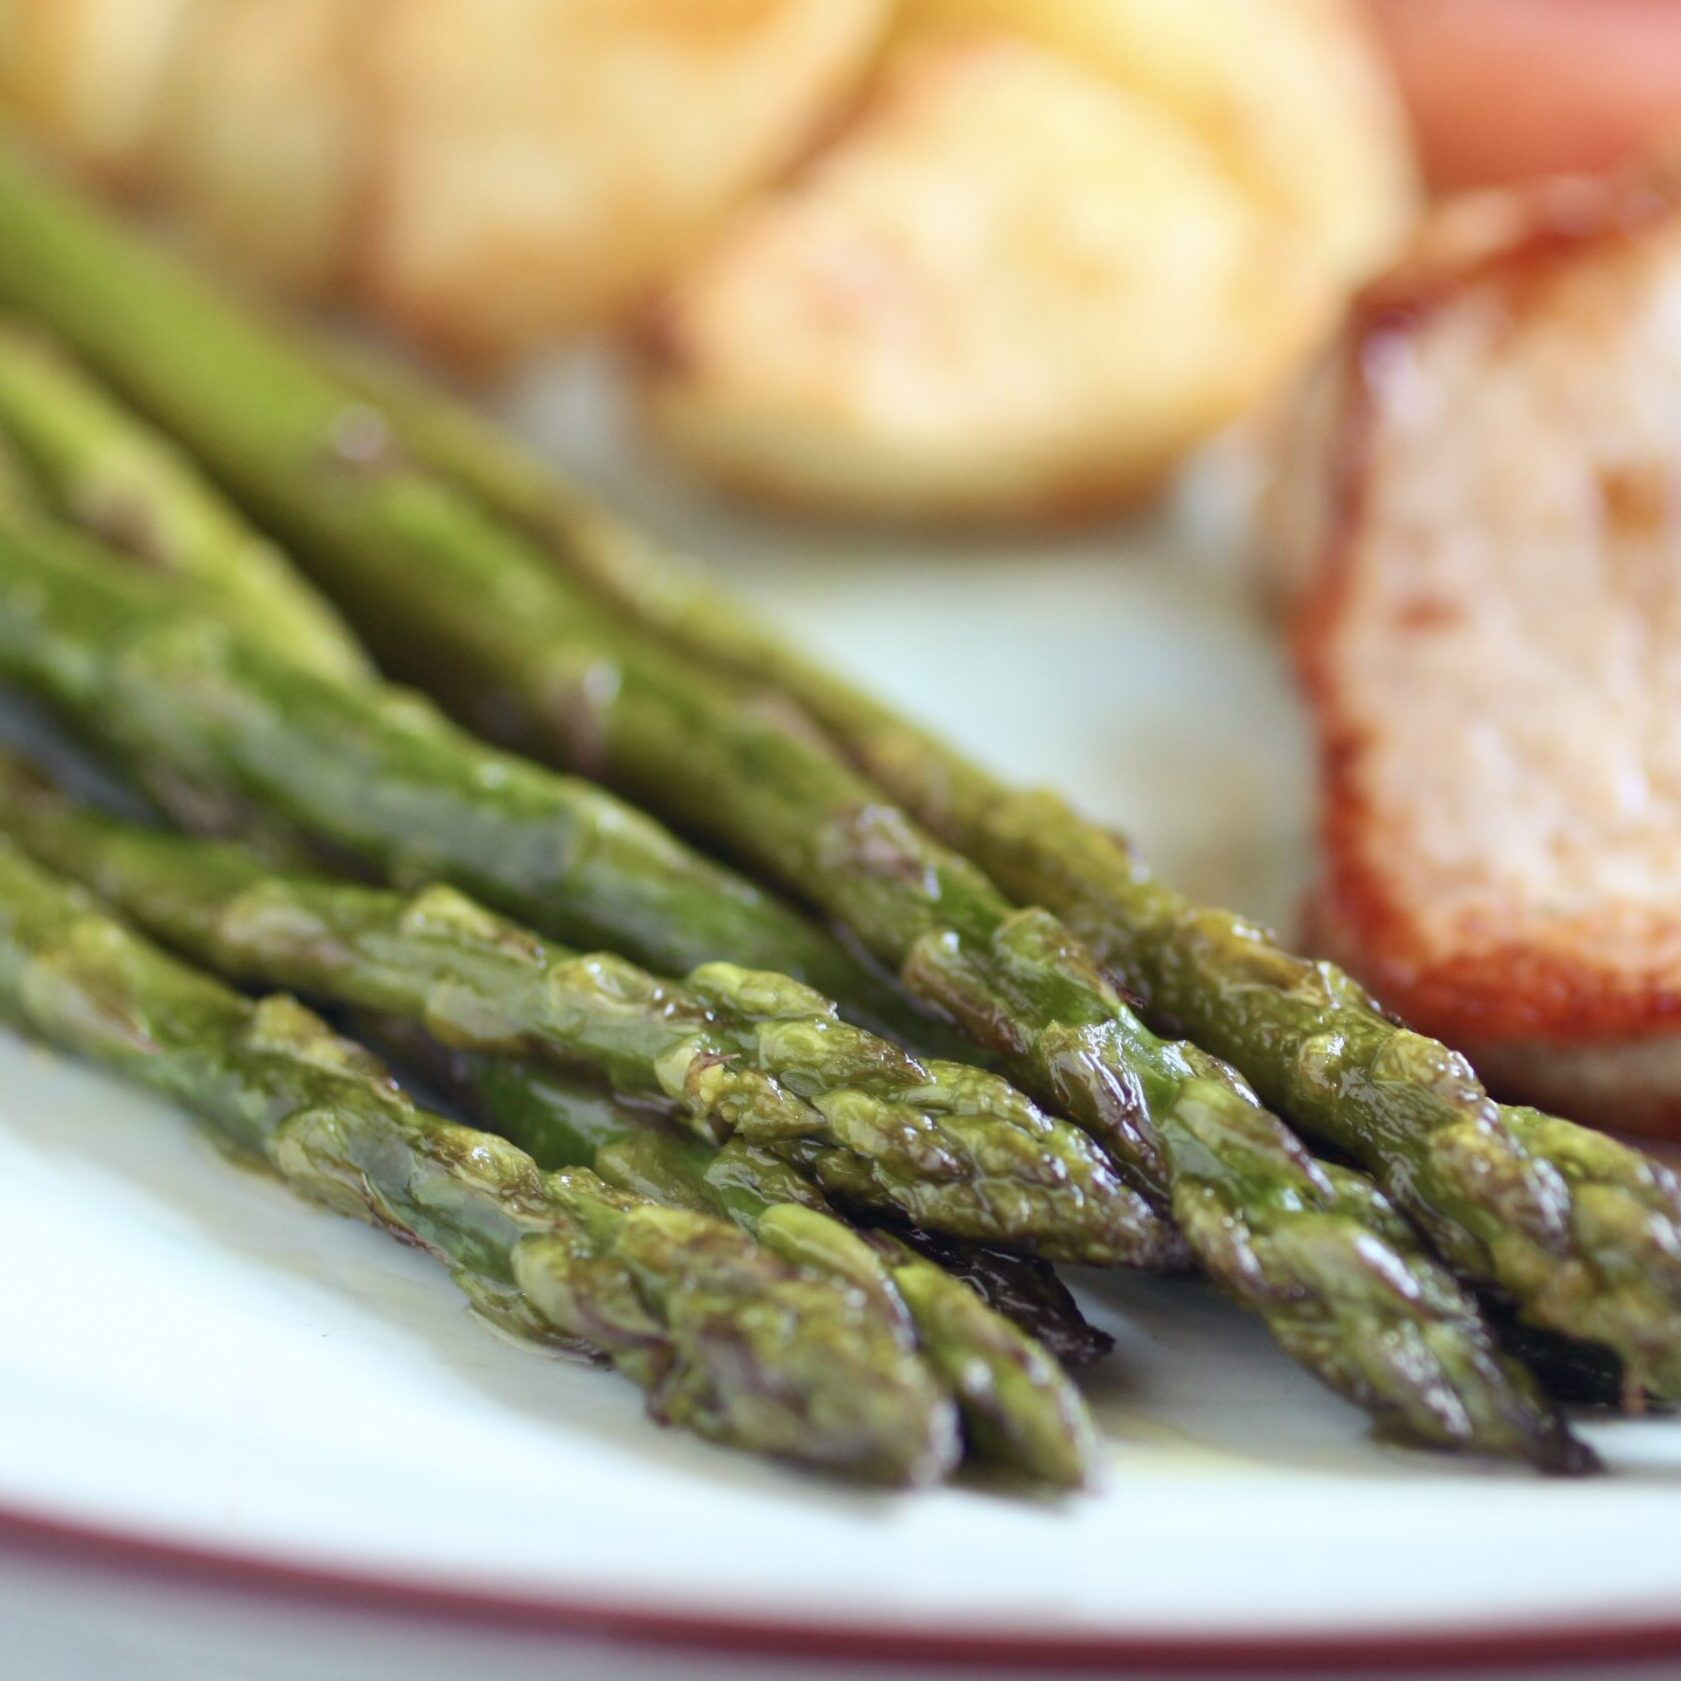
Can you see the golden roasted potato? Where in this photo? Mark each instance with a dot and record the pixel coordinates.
(1011, 288)
(543, 160)
(84, 74)
(1291, 93)
(261, 138)
(490, 173)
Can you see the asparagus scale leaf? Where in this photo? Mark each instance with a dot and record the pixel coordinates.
(725, 1338)
(736, 1053)
(498, 633)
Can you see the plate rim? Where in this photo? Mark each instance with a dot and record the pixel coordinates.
(234, 1571)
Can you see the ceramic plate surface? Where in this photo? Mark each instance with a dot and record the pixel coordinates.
(196, 1363)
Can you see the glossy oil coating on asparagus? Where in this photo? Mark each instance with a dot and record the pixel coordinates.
(537, 1105)
(1580, 1232)
(1019, 1407)
(498, 633)
(736, 1053)
(727, 1339)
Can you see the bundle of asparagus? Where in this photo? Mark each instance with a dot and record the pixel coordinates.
(739, 1055)
(418, 962)
(726, 1339)
(441, 547)
(1581, 1234)
(1316, 1251)
(1017, 1405)
(1344, 1287)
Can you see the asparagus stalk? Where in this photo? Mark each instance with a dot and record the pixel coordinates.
(1581, 1233)
(376, 772)
(96, 466)
(726, 1339)
(735, 1053)
(1019, 1407)
(497, 631)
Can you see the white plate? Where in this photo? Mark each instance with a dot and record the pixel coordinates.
(198, 1371)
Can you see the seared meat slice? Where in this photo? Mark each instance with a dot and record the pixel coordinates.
(1487, 577)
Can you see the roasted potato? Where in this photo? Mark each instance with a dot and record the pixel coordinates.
(84, 75)
(492, 174)
(1290, 93)
(1011, 288)
(261, 138)
(541, 161)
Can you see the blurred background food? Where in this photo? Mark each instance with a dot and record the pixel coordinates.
(488, 178)
(1050, 252)
(919, 326)
(945, 259)
(1501, 89)
(1486, 608)
(953, 261)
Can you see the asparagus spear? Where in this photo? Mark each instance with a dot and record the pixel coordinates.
(377, 772)
(724, 1337)
(498, 631)
(1018, 1405)
(736, 1053)
(1581, 1233)
(560, 1118)
(95, 465)
(563, 1117)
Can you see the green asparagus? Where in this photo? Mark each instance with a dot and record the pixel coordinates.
(95, 465)
(726, 1339)
(560, 1118)
(475, 611)
(1019, 1407)
(736, 1053)
(130, 660)
(1582, 1233)
(548, 1115)
(18, 490)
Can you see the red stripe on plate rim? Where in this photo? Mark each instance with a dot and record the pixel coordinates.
(160, 1558)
